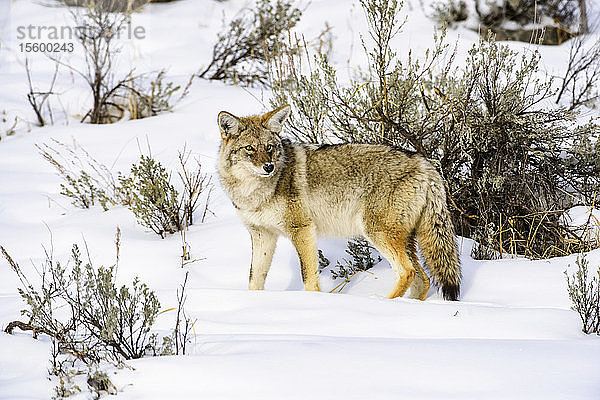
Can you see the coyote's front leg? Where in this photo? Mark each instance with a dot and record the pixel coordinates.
(263, 247)
(305, 241)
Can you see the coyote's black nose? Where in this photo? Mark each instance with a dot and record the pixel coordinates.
(269, 167)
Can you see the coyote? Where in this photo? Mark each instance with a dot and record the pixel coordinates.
(387, 195)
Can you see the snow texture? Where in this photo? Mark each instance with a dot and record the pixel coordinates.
(512, 335)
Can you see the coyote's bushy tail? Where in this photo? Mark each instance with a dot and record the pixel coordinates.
(436, 236)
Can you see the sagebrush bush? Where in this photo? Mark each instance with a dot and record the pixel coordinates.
(240, 52)
(484, 125)
(84, 191)
(446, 13)
(361, 259)
(99, 24)
(120, 317)
(86, 181)
(152, 95)
(148, 192)
(65, 388)
(526, 12)
(99, 28)
(520, 12)
(100, 383)
(85, 311)
(584, 292)
(308, 94)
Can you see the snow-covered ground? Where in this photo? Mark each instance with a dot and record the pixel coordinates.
(512, 335)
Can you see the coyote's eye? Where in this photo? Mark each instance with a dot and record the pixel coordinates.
(249, 148)
(268, 148)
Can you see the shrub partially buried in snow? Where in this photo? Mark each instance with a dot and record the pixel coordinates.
(148, 192)
(85, 311)
(584, 292)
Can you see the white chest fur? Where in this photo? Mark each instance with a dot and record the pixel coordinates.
(270, 215)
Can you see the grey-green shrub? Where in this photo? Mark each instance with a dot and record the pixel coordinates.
(84, 191)
(584, 293)
(119, 317)
(149, 194)
(446, 13)
(522, 12)
(152, 95)
(241, 50)
(86, 312)
(361, 259)
(147, 190)
(86, 181)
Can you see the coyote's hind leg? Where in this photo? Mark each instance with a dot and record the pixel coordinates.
(420, 285)
(393, 247)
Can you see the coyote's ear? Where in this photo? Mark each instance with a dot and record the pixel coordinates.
(274, 120)
(228, 124)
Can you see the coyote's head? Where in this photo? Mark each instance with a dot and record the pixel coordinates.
(253, 143)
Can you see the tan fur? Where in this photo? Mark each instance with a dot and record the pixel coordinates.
(421, 283)
(303, 191)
